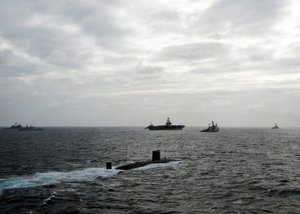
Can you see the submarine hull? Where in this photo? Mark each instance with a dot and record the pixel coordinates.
(142, 163)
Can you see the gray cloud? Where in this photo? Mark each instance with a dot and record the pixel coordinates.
(148, 70)
(193, 51)
(102, 21)
(6, 57)
(14, 65)
(131, 63)
(241, 17)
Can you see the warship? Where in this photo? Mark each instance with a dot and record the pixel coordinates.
(16, 126)
(30, 128)
(211, 128)
(168, 126)
(275, 127)
(19, 127)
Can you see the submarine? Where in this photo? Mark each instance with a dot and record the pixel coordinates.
(155, 160)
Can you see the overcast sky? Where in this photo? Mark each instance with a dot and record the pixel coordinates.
(129, 63)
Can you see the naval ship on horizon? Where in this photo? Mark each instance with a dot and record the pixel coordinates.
(168, 126)
(275, 127)
(212, 127)
(18, 126)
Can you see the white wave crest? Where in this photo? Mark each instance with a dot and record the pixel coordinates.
(157, 165)
(47, 178)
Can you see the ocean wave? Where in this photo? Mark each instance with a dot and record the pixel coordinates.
(52, 195)
(284, 192)
(47, 178)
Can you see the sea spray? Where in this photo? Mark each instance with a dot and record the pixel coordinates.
(47, 178)
(157, 165)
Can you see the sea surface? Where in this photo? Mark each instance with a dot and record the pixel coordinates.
(237, 170)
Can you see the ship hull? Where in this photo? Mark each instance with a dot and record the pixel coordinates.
(31, 129)
(210, 130)
(174, 127)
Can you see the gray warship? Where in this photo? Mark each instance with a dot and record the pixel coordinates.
(211, 128)
(19, 127)
(16, 126)
(168, 126)
(275, 127)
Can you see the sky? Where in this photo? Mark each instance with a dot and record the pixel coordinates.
(130, 63)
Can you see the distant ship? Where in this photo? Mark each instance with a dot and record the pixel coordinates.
(211, 128)
(275, 127)
(30, 128)
(168, 126)
(19, 127)
(16, 126)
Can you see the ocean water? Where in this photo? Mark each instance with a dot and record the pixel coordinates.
(237, 170)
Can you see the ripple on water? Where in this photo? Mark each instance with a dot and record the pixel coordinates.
(233, 171)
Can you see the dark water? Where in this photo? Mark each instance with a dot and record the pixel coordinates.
(61, 170)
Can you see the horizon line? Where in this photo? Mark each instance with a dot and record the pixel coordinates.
(115, 126)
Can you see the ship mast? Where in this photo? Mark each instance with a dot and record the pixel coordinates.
(168, 123)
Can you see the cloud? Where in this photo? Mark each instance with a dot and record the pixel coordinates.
(104, 21)
(12, 64)
(202, 58)
(240, 17)
(193, 51)
(6, 57)
(148, 70)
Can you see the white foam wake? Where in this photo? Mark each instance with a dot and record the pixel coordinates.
(41, 179)
(157, 165)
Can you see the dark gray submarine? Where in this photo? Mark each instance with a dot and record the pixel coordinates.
(155, 160)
